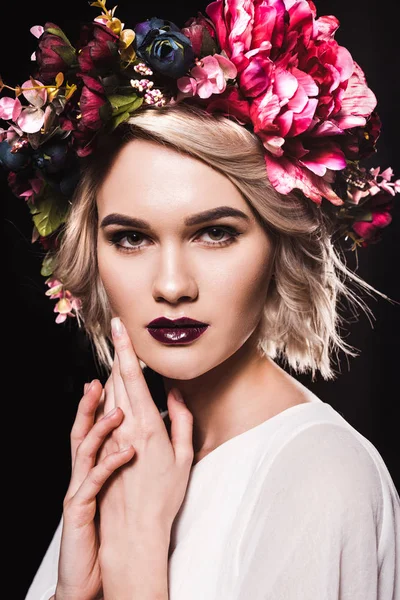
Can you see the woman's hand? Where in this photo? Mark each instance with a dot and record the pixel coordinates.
(79, 576)
(144, 496)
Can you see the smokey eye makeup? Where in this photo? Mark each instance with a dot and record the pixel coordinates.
(130, 241)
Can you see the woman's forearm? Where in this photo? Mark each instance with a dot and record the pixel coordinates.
(139, 572)
(136, 573)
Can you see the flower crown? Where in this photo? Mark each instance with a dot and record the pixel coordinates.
(270, 65)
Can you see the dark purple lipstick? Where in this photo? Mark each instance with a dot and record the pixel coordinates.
(176, 331)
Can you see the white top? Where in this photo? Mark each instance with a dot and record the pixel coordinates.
(300, 507)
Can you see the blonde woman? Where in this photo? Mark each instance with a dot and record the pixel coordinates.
(262, 469)
(182, 253)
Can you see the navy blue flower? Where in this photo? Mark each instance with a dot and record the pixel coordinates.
(163, 47)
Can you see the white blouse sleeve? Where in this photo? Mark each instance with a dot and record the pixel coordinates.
(324, 524)
(44, 583)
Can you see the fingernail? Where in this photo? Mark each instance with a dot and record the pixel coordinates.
(117, 326)
(178, 395)
(85, 388)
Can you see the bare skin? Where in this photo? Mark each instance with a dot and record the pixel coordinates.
(284, 392)
(174, 270)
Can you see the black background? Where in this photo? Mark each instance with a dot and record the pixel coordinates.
(47, 364)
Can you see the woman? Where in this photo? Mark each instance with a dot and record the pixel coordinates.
(268, 466)
(252, 486)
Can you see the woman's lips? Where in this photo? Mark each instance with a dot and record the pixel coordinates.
(176, 335)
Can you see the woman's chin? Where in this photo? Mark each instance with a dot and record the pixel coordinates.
(179, 372)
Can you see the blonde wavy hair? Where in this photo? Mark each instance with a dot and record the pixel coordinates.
(300, 323)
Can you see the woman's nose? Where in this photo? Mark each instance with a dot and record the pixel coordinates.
(174, 277)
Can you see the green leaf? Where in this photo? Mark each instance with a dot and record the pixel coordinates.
(48, 212)
(67, 54)
(208, 45)
(59, 33)
(119, 119)
(47, 265)
(121, 103)
(366, 216)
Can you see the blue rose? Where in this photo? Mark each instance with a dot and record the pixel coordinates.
(13, 161)
(163, 47)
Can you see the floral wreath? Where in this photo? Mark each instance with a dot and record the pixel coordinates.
(270, 65)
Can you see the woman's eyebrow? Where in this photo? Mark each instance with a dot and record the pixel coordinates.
(208, 215)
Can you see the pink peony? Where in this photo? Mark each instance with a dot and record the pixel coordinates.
(301, 85)
(230, 103)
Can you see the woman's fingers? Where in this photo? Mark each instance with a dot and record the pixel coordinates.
(130, 372)
(108, 401)
(99, 474)
(100, 411)
(120, 395)
(85, 416)
(86, 452)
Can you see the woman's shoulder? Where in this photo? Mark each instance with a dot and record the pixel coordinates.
(321, 456)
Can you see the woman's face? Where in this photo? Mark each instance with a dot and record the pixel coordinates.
(172, 269)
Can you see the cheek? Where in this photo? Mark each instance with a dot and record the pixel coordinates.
(241, 291)
(120, 283)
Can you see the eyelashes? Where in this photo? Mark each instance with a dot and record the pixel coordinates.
(117, 237)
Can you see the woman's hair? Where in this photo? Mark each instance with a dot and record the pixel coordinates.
(300, 321)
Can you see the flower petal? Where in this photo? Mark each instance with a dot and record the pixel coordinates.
(358, 101)
(227, 66)
(303, 120)
(285, 84)
(306, 81)
(37, 30)
(286, 175)
(8, 106)
(187, 85)
(36, 97)
(31, 119)
(61, 318)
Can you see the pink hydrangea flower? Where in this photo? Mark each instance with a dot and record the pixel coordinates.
(209, 76)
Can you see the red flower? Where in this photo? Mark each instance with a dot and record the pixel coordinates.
(84, 114)
(54, 54)
(359, 143)
(99, 48)
(376, 218)
(369, 136)
(24, 187)
(94, 106)
(200, 31)
(230, 103)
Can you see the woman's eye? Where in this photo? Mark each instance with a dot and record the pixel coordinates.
(130, 241)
